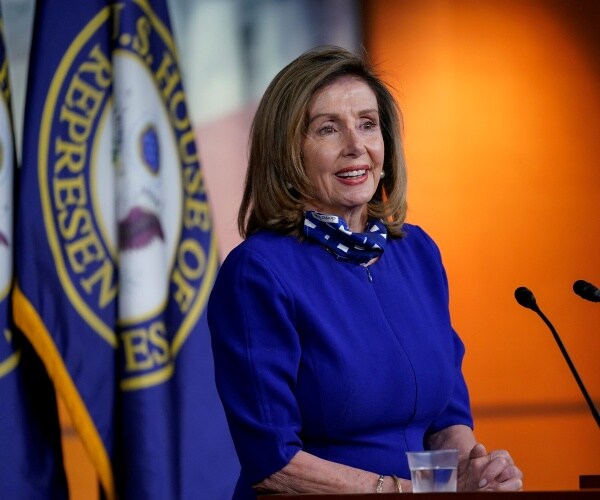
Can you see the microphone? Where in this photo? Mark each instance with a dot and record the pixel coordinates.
(526, 298)
(586, 291)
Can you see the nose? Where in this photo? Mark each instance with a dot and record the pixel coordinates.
(354, 144)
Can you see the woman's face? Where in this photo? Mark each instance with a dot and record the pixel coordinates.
(343, 148)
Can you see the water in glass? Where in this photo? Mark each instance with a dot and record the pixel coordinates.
(438, 479)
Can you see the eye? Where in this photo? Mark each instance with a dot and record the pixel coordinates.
(326, 129)
(369, 124)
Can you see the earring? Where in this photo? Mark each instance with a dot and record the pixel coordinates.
(382, 174)
(288, 185)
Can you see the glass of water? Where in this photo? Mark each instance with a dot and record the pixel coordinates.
(433, 470)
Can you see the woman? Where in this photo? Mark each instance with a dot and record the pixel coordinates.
(333, 346)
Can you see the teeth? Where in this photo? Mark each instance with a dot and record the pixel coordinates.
(352, 173)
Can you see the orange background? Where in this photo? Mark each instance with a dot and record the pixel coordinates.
(501, 103)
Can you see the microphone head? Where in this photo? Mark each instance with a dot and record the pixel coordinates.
(586, 291)
(525, 297)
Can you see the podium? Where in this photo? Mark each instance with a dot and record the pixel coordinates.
(589, 481)
(517, 495)
(589, 484)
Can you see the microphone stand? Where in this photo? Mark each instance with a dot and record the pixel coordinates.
(587, 397)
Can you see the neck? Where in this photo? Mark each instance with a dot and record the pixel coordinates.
(357, 222)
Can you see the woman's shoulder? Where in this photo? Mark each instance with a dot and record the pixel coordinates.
(414, 233)
(416, 239)
(266, 242)
(266, 246)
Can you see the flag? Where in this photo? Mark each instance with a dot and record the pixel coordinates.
(29, 428)
(117, 251)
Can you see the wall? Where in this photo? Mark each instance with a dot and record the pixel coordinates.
(501, 101)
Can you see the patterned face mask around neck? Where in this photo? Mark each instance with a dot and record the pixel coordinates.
(332, 232)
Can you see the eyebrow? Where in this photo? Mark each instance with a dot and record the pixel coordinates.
(335, 116)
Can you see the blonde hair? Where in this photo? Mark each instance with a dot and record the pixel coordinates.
(276, 182)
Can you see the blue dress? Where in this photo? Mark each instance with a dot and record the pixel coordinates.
(354, 365)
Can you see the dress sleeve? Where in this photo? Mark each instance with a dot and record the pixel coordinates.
(256, 351)
(458, 411)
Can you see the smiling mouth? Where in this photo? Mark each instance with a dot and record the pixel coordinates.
(352, 174)
(138, 229)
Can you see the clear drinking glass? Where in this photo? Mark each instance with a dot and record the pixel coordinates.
(433, 470)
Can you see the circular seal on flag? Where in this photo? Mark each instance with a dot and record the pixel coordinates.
(124, 198)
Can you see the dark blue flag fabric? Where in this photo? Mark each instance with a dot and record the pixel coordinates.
(117, 251)
(29, 429)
